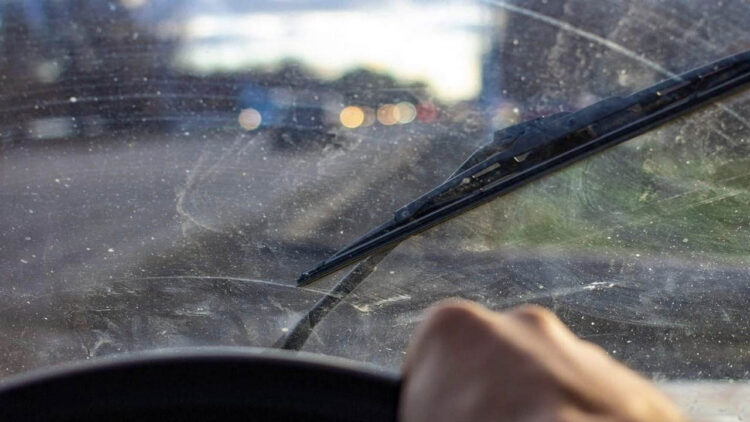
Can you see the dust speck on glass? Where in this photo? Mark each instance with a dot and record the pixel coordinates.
(168, 168)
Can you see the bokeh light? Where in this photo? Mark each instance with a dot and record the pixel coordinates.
(369, 117)
(250, 119)
(352, 117)
(427, 112)
(505, 114)
(405, 112)
(388, 114)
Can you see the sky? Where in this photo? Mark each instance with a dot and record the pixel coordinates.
(439, 42)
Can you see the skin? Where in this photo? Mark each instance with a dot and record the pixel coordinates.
(467, 363)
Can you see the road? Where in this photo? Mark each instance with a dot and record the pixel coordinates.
(145, 241)
(89, 221)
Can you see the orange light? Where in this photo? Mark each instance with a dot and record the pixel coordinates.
(352, 117)
(388, 114)
(250, 119)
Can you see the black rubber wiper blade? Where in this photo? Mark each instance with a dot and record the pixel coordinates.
(524, 152)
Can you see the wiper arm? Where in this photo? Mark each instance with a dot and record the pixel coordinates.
(524, 152)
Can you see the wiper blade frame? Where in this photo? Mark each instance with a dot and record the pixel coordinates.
(524, 152)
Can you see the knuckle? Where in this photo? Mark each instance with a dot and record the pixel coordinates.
(455, 316)
(452, 311)
(536, 316)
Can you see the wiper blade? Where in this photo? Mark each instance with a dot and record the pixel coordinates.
(524, 152)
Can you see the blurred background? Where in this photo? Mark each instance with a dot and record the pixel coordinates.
(168, 168)
(157, 65)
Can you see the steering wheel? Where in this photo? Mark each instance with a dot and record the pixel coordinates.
(201, 385)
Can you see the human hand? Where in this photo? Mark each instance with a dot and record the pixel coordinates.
(467, 363)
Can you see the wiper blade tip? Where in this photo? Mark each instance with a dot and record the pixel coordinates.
(308, 277)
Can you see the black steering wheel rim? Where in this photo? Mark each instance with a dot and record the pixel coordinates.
(204, 384)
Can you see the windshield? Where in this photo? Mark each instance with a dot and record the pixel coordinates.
(169, 168)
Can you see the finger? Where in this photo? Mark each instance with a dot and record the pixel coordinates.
(540, 319)
(438, 321)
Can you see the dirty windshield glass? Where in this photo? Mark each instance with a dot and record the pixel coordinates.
(169, 168)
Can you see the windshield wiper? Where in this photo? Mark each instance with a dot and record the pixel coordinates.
(524, 152)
